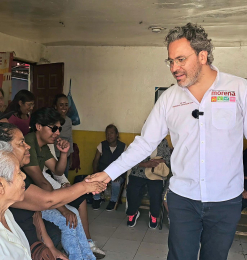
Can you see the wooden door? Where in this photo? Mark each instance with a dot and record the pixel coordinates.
(48, 81)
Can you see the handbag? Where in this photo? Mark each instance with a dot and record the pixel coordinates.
(160, 172)
(72, 113)
(76, 164)
(39, 251)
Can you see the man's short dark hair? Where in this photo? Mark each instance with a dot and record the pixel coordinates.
(6, 131)
(45, 116)
(197, 37)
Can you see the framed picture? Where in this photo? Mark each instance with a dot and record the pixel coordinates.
(158, 92)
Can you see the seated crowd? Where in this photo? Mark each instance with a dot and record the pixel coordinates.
(42, 214)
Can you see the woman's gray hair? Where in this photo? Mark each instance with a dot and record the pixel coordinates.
(197, 37)
(7, 164)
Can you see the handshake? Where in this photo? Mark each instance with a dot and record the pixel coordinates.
(96, 183)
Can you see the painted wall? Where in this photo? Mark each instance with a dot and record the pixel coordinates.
(116, 84)
(112, 84)
(24, 50)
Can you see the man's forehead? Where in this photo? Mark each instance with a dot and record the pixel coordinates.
(178, 48)
(58, 124)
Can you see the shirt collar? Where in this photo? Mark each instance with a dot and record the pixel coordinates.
(214, 85)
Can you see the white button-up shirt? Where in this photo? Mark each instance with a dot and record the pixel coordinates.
(207, 158)
(13, 245)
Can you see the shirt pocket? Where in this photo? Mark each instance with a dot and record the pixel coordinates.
(224, 115)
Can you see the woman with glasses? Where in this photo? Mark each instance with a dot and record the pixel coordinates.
(22, 106)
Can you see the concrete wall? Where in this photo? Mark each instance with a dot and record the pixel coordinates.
(24, 50)
(116, 84)
(112, 84)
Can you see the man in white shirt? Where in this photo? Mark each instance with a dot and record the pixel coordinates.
(205, 114)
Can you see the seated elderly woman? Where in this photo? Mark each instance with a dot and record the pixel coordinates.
(14, 244)
(11, 134)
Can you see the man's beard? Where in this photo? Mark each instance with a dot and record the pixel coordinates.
(192, 79)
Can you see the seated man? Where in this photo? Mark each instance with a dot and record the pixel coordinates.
(137, 181)
(45, 126)
(107, 152)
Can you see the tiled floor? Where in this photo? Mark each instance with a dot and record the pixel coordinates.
(120, 242)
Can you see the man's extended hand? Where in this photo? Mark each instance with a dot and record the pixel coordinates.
(99, 176)
(63, 145)
(71, 218)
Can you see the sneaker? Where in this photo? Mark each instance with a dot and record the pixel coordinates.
(110, 205)
(96, 204)
(98, 253)
(153, 223)
(132, 219)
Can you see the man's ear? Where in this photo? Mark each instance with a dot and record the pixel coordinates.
(2, 186)
(38, 126)
(203, 57)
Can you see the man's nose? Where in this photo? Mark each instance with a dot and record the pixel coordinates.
(174, 67)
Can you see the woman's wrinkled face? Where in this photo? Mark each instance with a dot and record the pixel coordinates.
(20, 148)
(111, 135)
(15, 189)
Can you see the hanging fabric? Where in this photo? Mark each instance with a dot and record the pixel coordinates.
(72, 113)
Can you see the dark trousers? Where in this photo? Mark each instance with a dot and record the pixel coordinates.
(53, 232)
(213, 224)
(244, 203)
(135, 194)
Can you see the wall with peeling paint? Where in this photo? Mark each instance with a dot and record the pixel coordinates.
(24, 50)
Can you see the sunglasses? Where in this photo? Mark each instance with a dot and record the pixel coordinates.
(55, 128)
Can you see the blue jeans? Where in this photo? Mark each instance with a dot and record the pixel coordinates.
(115, 189)
(74, 241)
(211, 224)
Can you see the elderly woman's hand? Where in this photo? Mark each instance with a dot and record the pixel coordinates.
(94, 187)
(150, 163)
